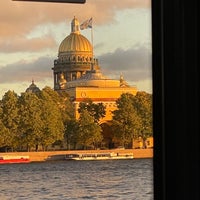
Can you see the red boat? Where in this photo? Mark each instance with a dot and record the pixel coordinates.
(14, 159)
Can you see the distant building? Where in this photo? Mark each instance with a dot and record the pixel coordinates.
(32, 88)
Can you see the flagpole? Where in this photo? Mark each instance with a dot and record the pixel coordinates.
(89, 24)
(92, 48)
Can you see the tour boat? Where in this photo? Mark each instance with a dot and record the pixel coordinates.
(98, 156)
(14, 159)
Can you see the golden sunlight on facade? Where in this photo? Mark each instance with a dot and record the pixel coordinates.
(78, 73)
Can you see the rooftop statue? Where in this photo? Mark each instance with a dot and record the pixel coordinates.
(62, 82)
(123, 83)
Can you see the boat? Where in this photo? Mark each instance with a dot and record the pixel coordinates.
(98, 156)
(14, 159)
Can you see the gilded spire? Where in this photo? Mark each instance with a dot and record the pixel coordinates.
(75, 26)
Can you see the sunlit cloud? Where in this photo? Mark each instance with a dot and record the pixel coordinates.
(26, 45)
(17, 18)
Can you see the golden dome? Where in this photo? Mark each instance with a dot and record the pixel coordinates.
(75, 42)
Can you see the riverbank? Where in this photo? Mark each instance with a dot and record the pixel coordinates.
(59, 155)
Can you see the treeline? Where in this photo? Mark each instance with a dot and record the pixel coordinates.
(41, 120)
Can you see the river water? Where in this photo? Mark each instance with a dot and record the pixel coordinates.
(59, 180)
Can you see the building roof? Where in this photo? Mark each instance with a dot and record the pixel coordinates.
(32, 88)
(93, 78)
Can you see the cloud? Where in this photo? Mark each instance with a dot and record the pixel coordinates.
(19, 16)
(39, 69)
(18, 19)
(21, 44)
(134, 63)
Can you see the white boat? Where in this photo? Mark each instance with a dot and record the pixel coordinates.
(98, 156)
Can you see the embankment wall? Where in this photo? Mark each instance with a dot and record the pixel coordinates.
(59, 155)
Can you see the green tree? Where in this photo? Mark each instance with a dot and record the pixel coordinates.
(30, 126)
(5, 136)
(96, 110)
(143, 104)
(53, 95)
(9, 116)
(71, 133)
(66, 107)
(125, 122)
(89, 131)
(53, 127)
(68, 117)
(108, 135)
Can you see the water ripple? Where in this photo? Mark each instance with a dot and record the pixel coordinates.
(106, 180)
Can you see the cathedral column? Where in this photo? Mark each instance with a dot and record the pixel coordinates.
(54, 75)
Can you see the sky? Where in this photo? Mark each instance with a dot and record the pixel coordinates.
(31, 32)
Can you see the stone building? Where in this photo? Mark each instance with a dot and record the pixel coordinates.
(78, 73)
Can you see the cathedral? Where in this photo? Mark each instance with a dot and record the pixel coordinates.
(77, 72)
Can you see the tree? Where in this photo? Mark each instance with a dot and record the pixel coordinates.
(68, 117)
(89, 131)
(30, 126)
(53, 127)
(71, 133)
(125, 122)
(5, 136)
(34, 119)
(96, 110)
(9, 117)
(107, 135)
(143, 104)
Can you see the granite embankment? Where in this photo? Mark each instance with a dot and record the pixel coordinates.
(59, 155)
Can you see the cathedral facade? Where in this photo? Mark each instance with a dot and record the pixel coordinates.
(78, 73)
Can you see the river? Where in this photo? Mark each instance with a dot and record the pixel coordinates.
(74, 180)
